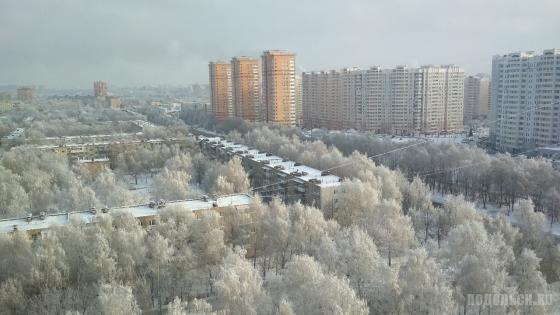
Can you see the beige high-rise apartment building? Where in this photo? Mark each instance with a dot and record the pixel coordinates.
(400, 100)
(221, 90)
(525, 109)
(476, 100)
(438, 99)
(278, 87)
(332, 99)
(246, 80)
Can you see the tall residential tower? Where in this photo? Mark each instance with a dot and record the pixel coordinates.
(476, 100)
(221, 90)
(100, 88)
(246, 88)
(525, 94)
(279, 87)
(438, 99)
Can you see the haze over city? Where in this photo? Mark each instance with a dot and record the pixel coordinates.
(203, 157)
(68, 44)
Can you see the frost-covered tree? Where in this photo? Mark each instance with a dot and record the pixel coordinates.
(310, 291)
(110, 192)
(194, 307)
(423, 289)
(353, 200)
(232, 178)
(272, 236)
(12, 296)
(530, 223)
(477, 261)
(529, 280)
(50, 269)
(238, 287)
(368, 273)
(172, 184)
(13, 198)
(115, 299)
(391, 231)
(455, 212)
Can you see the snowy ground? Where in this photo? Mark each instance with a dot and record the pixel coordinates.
(143, 189)
(493, 210)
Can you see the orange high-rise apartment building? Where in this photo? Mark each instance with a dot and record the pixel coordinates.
(279, 87)
(221, 90)
(100, 88)
(25, 94)
(246, 88)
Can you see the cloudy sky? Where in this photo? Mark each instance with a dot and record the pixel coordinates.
(70, 43)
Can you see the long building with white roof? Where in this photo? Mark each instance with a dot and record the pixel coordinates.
(272, 175)
(147, 214)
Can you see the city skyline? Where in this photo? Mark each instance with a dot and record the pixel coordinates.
(175, 52)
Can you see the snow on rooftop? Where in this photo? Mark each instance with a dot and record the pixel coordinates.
(138, 211)
(275, 162)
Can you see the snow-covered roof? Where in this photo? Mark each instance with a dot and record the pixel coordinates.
(303, 172)
(138, 211)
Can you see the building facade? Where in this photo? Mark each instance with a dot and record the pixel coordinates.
(299, 101)
(100, 89)
(246, 88)
(476, 100)
(438, 101)
(25, 94)
(525, 106)
(221, 90)
(271, 175)
(399, 101)
(147, 214)
(278, 87)
(332, 99)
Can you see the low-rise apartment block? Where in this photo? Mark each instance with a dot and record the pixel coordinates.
(272, 175)
(147, 214)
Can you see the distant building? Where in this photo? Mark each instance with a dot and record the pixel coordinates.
(299, 101)
(94, 166)
(221, 90)
(113, 102)
(525, 108)
(100, 89)
(6, 104)
(25, 94)
(278, 87)
(246, 81)
(476, 100)
(103, 146)
(399, 100)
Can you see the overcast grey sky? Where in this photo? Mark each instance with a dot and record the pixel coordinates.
(70, 43)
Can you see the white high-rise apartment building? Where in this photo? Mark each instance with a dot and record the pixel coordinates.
(385, 100)
(332, 99)
(476, 101)
(438, 100)
(389, 94)
(525, 103)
